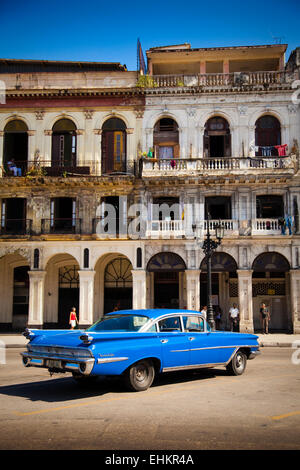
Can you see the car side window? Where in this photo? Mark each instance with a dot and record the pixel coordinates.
(191, 323)
(170, 324)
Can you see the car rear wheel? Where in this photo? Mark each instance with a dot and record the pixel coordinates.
(140, 376)
(238, 363)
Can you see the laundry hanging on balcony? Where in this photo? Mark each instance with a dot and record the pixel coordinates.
(266, 151)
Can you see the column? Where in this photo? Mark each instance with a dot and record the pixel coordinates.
(139, 288)
(80, 147)
(36, 298)
(47, 148)
(295, 299)
(193, 289)
(86, 298)
(1, 152)
(31, 147)
(130, 150)
(245, 300)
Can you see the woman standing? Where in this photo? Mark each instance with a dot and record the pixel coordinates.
(73, 318)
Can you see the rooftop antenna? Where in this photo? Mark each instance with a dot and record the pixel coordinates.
(278, 39)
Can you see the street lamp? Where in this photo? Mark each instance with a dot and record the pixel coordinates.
(209, 246)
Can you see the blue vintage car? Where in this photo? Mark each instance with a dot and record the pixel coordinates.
(138, 344)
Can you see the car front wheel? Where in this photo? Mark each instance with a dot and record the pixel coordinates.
(140, 376)
(238, 364)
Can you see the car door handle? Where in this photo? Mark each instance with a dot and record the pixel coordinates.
(191, 338)
(164, 340)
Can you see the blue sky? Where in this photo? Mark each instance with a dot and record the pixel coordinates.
(107, 31)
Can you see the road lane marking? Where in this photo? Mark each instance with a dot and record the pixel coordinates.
(286, 415)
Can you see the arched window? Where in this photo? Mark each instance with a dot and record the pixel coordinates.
(113, 146)
(15, 148)
(64, 143)
(86, 258)
(217, 138)
(166, 139)
(267, 135)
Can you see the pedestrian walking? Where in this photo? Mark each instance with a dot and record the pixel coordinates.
(73, 321)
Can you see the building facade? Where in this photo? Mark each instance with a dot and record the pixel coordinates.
(111, 178)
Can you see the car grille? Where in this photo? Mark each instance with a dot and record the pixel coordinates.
(56, 351)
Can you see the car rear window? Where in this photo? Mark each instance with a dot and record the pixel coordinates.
(119, 323)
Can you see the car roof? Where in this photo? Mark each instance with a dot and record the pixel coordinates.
(153, 312)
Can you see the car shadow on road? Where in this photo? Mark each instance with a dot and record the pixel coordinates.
(63, 389)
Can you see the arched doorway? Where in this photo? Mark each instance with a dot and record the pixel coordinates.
(217, 138)
(269, 285)
(61, 290)
(113, 146)
(267, 135)
(118, 285)
(166, 139)
(64, 144)
(224, 284)
(15, 148)
(167, 271)
(14, 291)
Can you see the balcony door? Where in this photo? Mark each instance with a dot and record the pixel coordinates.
(13, 216)
(113, 146)
(64, 144)
(15, 147)
(63, 215)
(217, 138)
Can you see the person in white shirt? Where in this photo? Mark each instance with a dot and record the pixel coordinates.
(204, 311)
(234, 316)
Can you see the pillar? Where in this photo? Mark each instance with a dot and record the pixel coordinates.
(139, 288)
(245, 300)
(295, 299)
(193, 289)
(1, 152)
(36, 298)
(86, 298)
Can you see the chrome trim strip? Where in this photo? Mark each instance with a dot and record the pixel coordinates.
(106, 360)
(193, 366)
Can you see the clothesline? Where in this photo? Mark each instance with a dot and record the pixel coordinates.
(267, 150)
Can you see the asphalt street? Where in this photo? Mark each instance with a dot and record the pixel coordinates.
(205, 409)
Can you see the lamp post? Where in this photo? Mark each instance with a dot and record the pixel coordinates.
(209, 246)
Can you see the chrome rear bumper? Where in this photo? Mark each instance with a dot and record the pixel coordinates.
(253, 354)
(58, 363)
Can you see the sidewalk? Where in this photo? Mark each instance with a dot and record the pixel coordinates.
(17, 340)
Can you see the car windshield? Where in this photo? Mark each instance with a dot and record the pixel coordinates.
(119, 323)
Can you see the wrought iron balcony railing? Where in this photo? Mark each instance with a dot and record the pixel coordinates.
(16, 227)
(45, 168)
(61, 226)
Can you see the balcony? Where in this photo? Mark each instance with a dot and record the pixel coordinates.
(45, 168)
(218, 80)
(216, 166)
(15, 227)
(61, 226)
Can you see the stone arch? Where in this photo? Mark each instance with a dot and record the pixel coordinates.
(61, 288)
(14, 295)
(270, 286)
(109, 289)
(166, 271)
